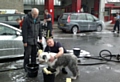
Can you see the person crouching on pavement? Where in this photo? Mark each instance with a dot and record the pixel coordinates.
(55, 47)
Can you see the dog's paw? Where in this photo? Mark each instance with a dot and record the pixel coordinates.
(73, 78)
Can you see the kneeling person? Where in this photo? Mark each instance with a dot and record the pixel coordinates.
(55, 47)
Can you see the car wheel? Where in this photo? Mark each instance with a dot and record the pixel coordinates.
(74, 29)
(63, 31)
(99, 28)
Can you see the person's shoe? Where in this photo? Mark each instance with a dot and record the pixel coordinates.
(118, 32)
(64, 71)
(113, 31)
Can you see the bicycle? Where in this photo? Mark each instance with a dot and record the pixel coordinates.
(108, 56)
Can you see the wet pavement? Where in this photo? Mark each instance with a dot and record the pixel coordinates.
(92, 42)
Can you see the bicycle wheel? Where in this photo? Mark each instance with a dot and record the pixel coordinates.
(105, 54)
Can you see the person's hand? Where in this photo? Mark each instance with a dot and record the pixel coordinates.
(25, 44)
(51, 58)
(40, 40)
(45, 20)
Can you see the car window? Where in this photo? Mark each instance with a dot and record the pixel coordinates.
(81, 17)
(73, 17)
(13, 18)
(4, 30)
(90, 17)
(2, 18)
(64, 16)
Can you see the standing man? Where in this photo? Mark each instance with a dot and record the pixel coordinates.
(31, 29)
(55, 47)
(48, 19)
(117, 22)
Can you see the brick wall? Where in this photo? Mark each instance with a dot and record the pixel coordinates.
(12, 4)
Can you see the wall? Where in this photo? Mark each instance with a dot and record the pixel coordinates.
(12, 4)
(28, 8)
(66, 3)
(88, 4)
(57, 12)
(41, 10)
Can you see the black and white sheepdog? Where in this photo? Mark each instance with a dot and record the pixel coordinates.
(66, 60)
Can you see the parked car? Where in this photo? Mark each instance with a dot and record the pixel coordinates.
(11, 45)
(11, 19)
(76, 22)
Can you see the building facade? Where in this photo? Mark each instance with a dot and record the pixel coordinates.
(12, 4)
(57, 7)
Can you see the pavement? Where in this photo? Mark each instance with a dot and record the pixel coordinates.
(90, 41)
(109, 27)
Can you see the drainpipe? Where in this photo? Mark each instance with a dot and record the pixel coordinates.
(101, 10)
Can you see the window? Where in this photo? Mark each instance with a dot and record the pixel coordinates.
(4, 30)
(13, 18)
(73, 17)
(90, 17)
(2, 18)
(82, 17)
(64, 16)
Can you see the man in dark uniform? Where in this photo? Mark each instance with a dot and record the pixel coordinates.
(55, 47)
(48, 19)
(31, 29)
(117, 22)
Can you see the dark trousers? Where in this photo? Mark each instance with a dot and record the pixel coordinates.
(49, 30)
(30, 52)
(116, 25)
(49, 33)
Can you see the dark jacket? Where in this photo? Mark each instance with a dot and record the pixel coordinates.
(55, 48)
(31, 30)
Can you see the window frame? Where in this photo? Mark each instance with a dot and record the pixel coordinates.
(85, 18)
(5, 18)
(76, 18)
(17, 16)
(6, 32)
(87, 15)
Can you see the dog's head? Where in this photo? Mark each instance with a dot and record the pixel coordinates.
(43, 56)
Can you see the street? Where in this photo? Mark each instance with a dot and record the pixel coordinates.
(92, 42)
